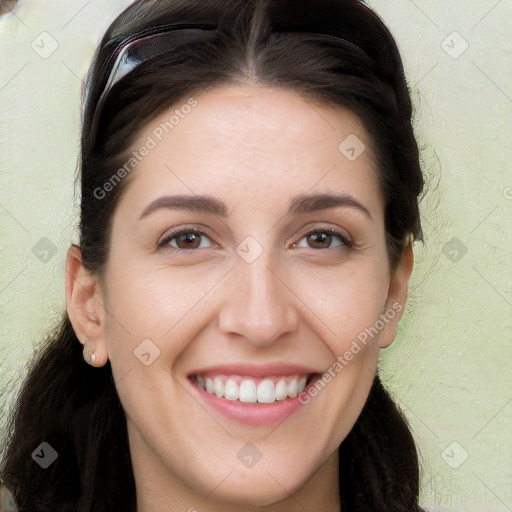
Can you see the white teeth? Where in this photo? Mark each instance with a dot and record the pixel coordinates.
(266, 392)
(231, 390)
(292, 388)
(218, 386)
(248, 391)
(280, 391)
(301, 384)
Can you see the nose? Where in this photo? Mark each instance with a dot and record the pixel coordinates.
(260, 306)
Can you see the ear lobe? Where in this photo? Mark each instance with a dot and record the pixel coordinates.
(397, 297)
(82, 294)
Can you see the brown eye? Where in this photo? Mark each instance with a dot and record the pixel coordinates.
(323, 238)
(185, 239)
(190, 240)
(320, 240)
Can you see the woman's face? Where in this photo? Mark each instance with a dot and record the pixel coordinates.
(266, 296)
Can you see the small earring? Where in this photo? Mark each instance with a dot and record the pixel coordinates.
(89, 358)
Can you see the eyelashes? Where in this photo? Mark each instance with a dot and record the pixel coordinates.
(346, 243)
(164, 244)
(184, 234)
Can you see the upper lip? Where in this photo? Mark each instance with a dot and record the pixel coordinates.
(255, 370)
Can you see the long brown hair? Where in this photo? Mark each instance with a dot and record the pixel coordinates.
(283, 43)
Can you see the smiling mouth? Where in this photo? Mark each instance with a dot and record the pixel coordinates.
(252, 390)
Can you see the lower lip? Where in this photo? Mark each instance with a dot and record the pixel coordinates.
(252, 413)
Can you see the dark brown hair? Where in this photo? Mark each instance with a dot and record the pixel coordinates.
(282, 43)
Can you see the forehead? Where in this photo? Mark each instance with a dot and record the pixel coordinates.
(257, 140)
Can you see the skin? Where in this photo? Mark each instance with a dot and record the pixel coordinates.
(254, 148)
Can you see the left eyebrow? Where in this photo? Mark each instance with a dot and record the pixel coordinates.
(305, 203)
(302, 203)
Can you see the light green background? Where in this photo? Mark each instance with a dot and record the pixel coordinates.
(450, 366)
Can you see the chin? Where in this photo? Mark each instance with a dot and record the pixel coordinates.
(258, 488)
(254, 494)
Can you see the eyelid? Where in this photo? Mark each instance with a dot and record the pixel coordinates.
(174, 232)
(335, 231)
(199, 228)
(347, 242)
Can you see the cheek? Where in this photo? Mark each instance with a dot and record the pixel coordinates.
(155, 302)
(346, 301)
(347, 312)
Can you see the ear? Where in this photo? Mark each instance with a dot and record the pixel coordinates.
(84, 304)
(397, 297)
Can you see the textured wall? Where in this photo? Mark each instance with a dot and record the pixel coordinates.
(450, 364)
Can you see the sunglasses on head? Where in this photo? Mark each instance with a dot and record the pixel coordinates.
(139, 48)
(150, 43)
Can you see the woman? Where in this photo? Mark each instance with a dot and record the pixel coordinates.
(249, 199)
